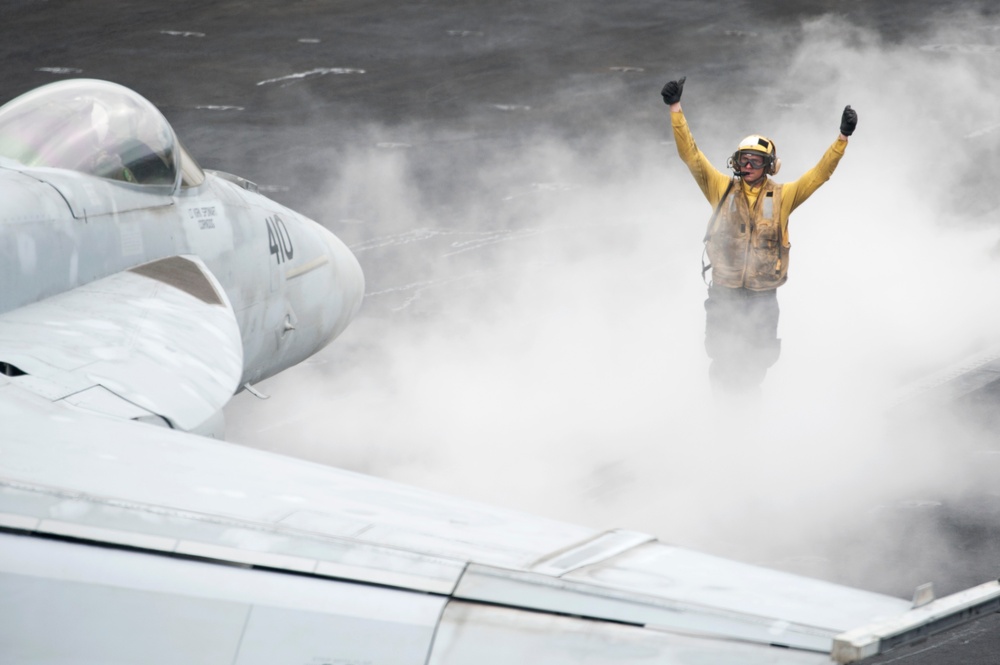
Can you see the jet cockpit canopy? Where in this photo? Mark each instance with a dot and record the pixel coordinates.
(95, 127)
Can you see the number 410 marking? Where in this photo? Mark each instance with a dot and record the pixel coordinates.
(278, 240)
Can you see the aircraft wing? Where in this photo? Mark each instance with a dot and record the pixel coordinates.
(180, 548)
(158, 340)
(125, 542)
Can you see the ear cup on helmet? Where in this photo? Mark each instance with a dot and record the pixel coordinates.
(775, 166)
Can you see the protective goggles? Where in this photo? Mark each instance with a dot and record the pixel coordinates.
(745, 160)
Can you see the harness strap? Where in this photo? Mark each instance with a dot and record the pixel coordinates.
(705, 267)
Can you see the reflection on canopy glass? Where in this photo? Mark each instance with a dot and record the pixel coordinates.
(93, 127)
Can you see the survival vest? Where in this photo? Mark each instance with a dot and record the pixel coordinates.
(748, 248)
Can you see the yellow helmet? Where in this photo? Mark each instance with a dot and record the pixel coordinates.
(759, 144)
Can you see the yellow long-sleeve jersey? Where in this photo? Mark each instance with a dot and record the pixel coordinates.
(713, 183)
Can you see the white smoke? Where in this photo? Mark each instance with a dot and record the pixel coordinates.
(533, 334)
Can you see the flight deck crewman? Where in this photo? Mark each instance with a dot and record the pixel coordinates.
(747, 245)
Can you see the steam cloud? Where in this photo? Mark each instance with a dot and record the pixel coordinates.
(533, 331)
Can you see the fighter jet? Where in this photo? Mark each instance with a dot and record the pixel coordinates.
(142, 292)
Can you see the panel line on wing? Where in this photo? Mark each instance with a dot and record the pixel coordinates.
(656, 612)
(103, 535)
(29, 507)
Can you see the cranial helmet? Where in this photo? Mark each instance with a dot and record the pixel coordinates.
(758, 144)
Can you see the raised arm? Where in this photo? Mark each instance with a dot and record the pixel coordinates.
(800, 190)
(712, 182)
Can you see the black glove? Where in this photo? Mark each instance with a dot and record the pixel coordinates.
(848, 121)
(672, 91)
